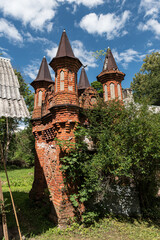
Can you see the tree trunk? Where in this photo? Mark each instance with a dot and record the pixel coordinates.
(6, 147)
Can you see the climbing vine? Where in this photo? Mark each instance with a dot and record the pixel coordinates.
(126, 146)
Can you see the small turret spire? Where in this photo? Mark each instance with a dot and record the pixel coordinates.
(109, 62)
(64, 48)
(83, 81)
(64, 53)
(43, 74)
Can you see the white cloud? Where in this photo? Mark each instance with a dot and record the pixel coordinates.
(9, 31)
(36, 13)
(86, 57)
(39, 14)
(153, 50)
(121, 2)
(31, 70)
(4, 53)
(152, 11)
(49, 27)
(74, 9)
(51, 53)
(87, 3)
(151, 7)
(128, 56)
(151, 25)
(29, 38)
(109, 24)
(149, 44)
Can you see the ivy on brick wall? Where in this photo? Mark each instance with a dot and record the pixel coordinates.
(126, 149)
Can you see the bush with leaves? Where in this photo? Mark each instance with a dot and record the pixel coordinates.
(127, 146)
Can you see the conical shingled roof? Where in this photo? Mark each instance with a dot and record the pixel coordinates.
(109, 62)
(65, 56)
(83, 81)
(44, 73)
(64, 48)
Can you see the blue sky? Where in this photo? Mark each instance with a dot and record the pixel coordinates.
(31, 29)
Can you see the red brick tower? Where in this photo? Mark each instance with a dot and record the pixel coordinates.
(40, 84)
(111, 78)
(57, 122)
(66, 66)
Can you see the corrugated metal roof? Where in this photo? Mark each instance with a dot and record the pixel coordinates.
(11, 102)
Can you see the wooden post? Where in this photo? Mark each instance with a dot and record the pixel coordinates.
(14, 209)
(4, 221)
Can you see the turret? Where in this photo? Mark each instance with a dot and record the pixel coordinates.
(111, 78)
(66, 66)
(83, 82)
(40, 84)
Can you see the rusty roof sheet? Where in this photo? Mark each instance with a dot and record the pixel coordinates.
(44, 73)
(64, 48)
(11, 102)
(109, 62)
(83, 81)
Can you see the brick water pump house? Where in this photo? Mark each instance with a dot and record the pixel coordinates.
(55, 116)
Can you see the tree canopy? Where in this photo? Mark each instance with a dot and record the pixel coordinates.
(25, 91)
(98, 86)
(146, 83)
(126, 146)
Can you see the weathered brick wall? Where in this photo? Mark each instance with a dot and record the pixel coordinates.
(108, 89)
(69, 94)
(109, 77)
(41, 88)
(88, 98)
(55, 120)
(61, 125)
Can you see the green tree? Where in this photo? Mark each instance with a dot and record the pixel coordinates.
(8, 126)
(126, 146)
(21, 150)
(98, 86)
(25, 91)
(146, 83)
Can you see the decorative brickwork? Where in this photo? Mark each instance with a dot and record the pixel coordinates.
(111, 79)
(88, 98)
(54, 119)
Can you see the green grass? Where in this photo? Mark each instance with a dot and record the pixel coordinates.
(106, 229)
(20, 179)
(32, 217)
(35, 224)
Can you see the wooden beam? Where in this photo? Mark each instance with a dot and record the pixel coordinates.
(4, 220)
